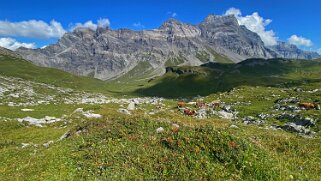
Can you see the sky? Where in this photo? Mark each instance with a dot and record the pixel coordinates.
(37, 23)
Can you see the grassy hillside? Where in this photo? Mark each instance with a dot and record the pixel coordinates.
(118, 146)
(20, 68)
(224, 77)
(15, 67)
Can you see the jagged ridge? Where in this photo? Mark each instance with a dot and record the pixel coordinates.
(109, 54)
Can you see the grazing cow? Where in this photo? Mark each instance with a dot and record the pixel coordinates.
(189, 112)
(200, 105)
(308, 105)
(181, 104)
(216, 104)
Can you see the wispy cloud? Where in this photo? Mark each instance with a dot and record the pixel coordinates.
(300, 41)
(172, 14)
(139, 25)
(255, 23)
(13, 44)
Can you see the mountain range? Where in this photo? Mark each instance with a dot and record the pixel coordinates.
(109, 54)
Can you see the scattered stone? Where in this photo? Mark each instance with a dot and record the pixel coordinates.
(201, 113)
(27, 110)
(79, 110)
(175, 125)
(225, 115)
(131, 106)
(263, 116)
(39, 122)
(160, 130)
(252, 120)
(64, 136)
(92, 115)
(234, 126)
(292, 127)
(297, 119)
(305, 121)
(25, 145)
(46, 145)
(124, 111)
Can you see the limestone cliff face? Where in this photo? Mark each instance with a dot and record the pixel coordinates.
(108, 54)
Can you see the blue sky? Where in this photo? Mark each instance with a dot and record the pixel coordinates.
(289, 17)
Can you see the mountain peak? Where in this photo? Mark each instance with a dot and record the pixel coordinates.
(215, 19)
(170, 23)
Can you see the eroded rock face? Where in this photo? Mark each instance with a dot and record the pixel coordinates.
(107, 54)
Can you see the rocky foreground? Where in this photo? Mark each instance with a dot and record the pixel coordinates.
(287, 113)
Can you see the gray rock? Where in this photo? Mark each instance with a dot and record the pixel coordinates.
(292, 127)
(160, 130)
(108, 54)
(131, 106)
(252, 120)
(64, 136)
(225, 115)
(46, 145)
(305, 121)
(201, 113)
(124, 111)
(234, 126)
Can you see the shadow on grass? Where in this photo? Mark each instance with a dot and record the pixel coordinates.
(225, 77)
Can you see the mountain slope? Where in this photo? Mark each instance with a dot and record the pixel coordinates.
(285, 50)
(108, 54)
(16, 67)
(213, 78)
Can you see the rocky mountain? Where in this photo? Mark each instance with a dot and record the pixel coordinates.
(7, 52)
(109, 54)
(285, 50)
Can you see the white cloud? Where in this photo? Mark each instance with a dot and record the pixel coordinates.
(319, 51)
(32, 29)
(13, 44)
(300, 41)
(255, 23)
(172, 14)
(138, 25)
(103, 23)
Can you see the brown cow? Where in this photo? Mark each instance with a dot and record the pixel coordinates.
(308, 105)
(200, 105)
(215, 104)
(181, 104)
(189, 112)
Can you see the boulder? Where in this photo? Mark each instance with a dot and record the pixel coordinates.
(292, 127)
(131, 106)
(123, 111)
(46, 145)
(234, 126)
(225, 115)
(252, 120)
(160, 130)
(201, 113)
(92, 115)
